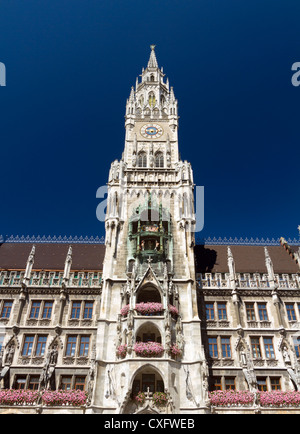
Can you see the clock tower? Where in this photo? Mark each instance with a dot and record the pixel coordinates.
(150, 356)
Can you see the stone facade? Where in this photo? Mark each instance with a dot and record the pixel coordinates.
(149, 311)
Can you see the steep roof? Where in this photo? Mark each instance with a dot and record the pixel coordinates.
(248, 259)
(49, 256)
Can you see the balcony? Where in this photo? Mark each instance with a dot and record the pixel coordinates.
(49, 279)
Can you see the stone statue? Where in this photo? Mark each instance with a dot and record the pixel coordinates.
(53, 356)
(168, 340)
(286, 356)
(129, 338)
(10, 355)
(91, 378)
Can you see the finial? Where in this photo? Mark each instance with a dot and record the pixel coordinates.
(152, 47)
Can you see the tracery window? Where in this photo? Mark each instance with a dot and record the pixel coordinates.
(151, 99)
(142, 159)
(159, 159)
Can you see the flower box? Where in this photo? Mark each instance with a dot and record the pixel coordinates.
(148, 349)
(122, 351)
(160, 398)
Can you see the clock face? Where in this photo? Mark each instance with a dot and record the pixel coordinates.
(153, 131)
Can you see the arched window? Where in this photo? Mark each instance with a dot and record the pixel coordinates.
(142, 159)
(148, 294)
(152, 77)
(151, 99)
(159, 159)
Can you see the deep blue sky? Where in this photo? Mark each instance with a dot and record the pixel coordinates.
(70, 66)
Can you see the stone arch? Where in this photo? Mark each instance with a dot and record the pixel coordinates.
(148, 332)
(128, 406)
(150, 290)
(147, 367)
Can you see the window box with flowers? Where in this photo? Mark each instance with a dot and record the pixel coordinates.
(160, 398)
(18, 397)
(148, 349)
(73, 398)
(122, 351)
(140, 398)
(279, 398)
(125, 310)
(175, 351)
(149, 309)
(231, 398)
(173, 311)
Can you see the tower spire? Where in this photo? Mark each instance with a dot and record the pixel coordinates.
(152, 61)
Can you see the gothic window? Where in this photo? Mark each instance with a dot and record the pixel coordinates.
(142, 159)
(152, 77)
(151, 99)
(159, 159)
(162, 100)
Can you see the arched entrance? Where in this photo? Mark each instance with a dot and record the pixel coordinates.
(147, 378)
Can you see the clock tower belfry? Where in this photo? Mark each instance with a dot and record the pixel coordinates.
(149, 345)
(151, 119)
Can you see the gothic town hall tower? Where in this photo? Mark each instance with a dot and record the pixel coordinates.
(149, 353)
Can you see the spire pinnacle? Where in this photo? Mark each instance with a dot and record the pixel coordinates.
(152, 61)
